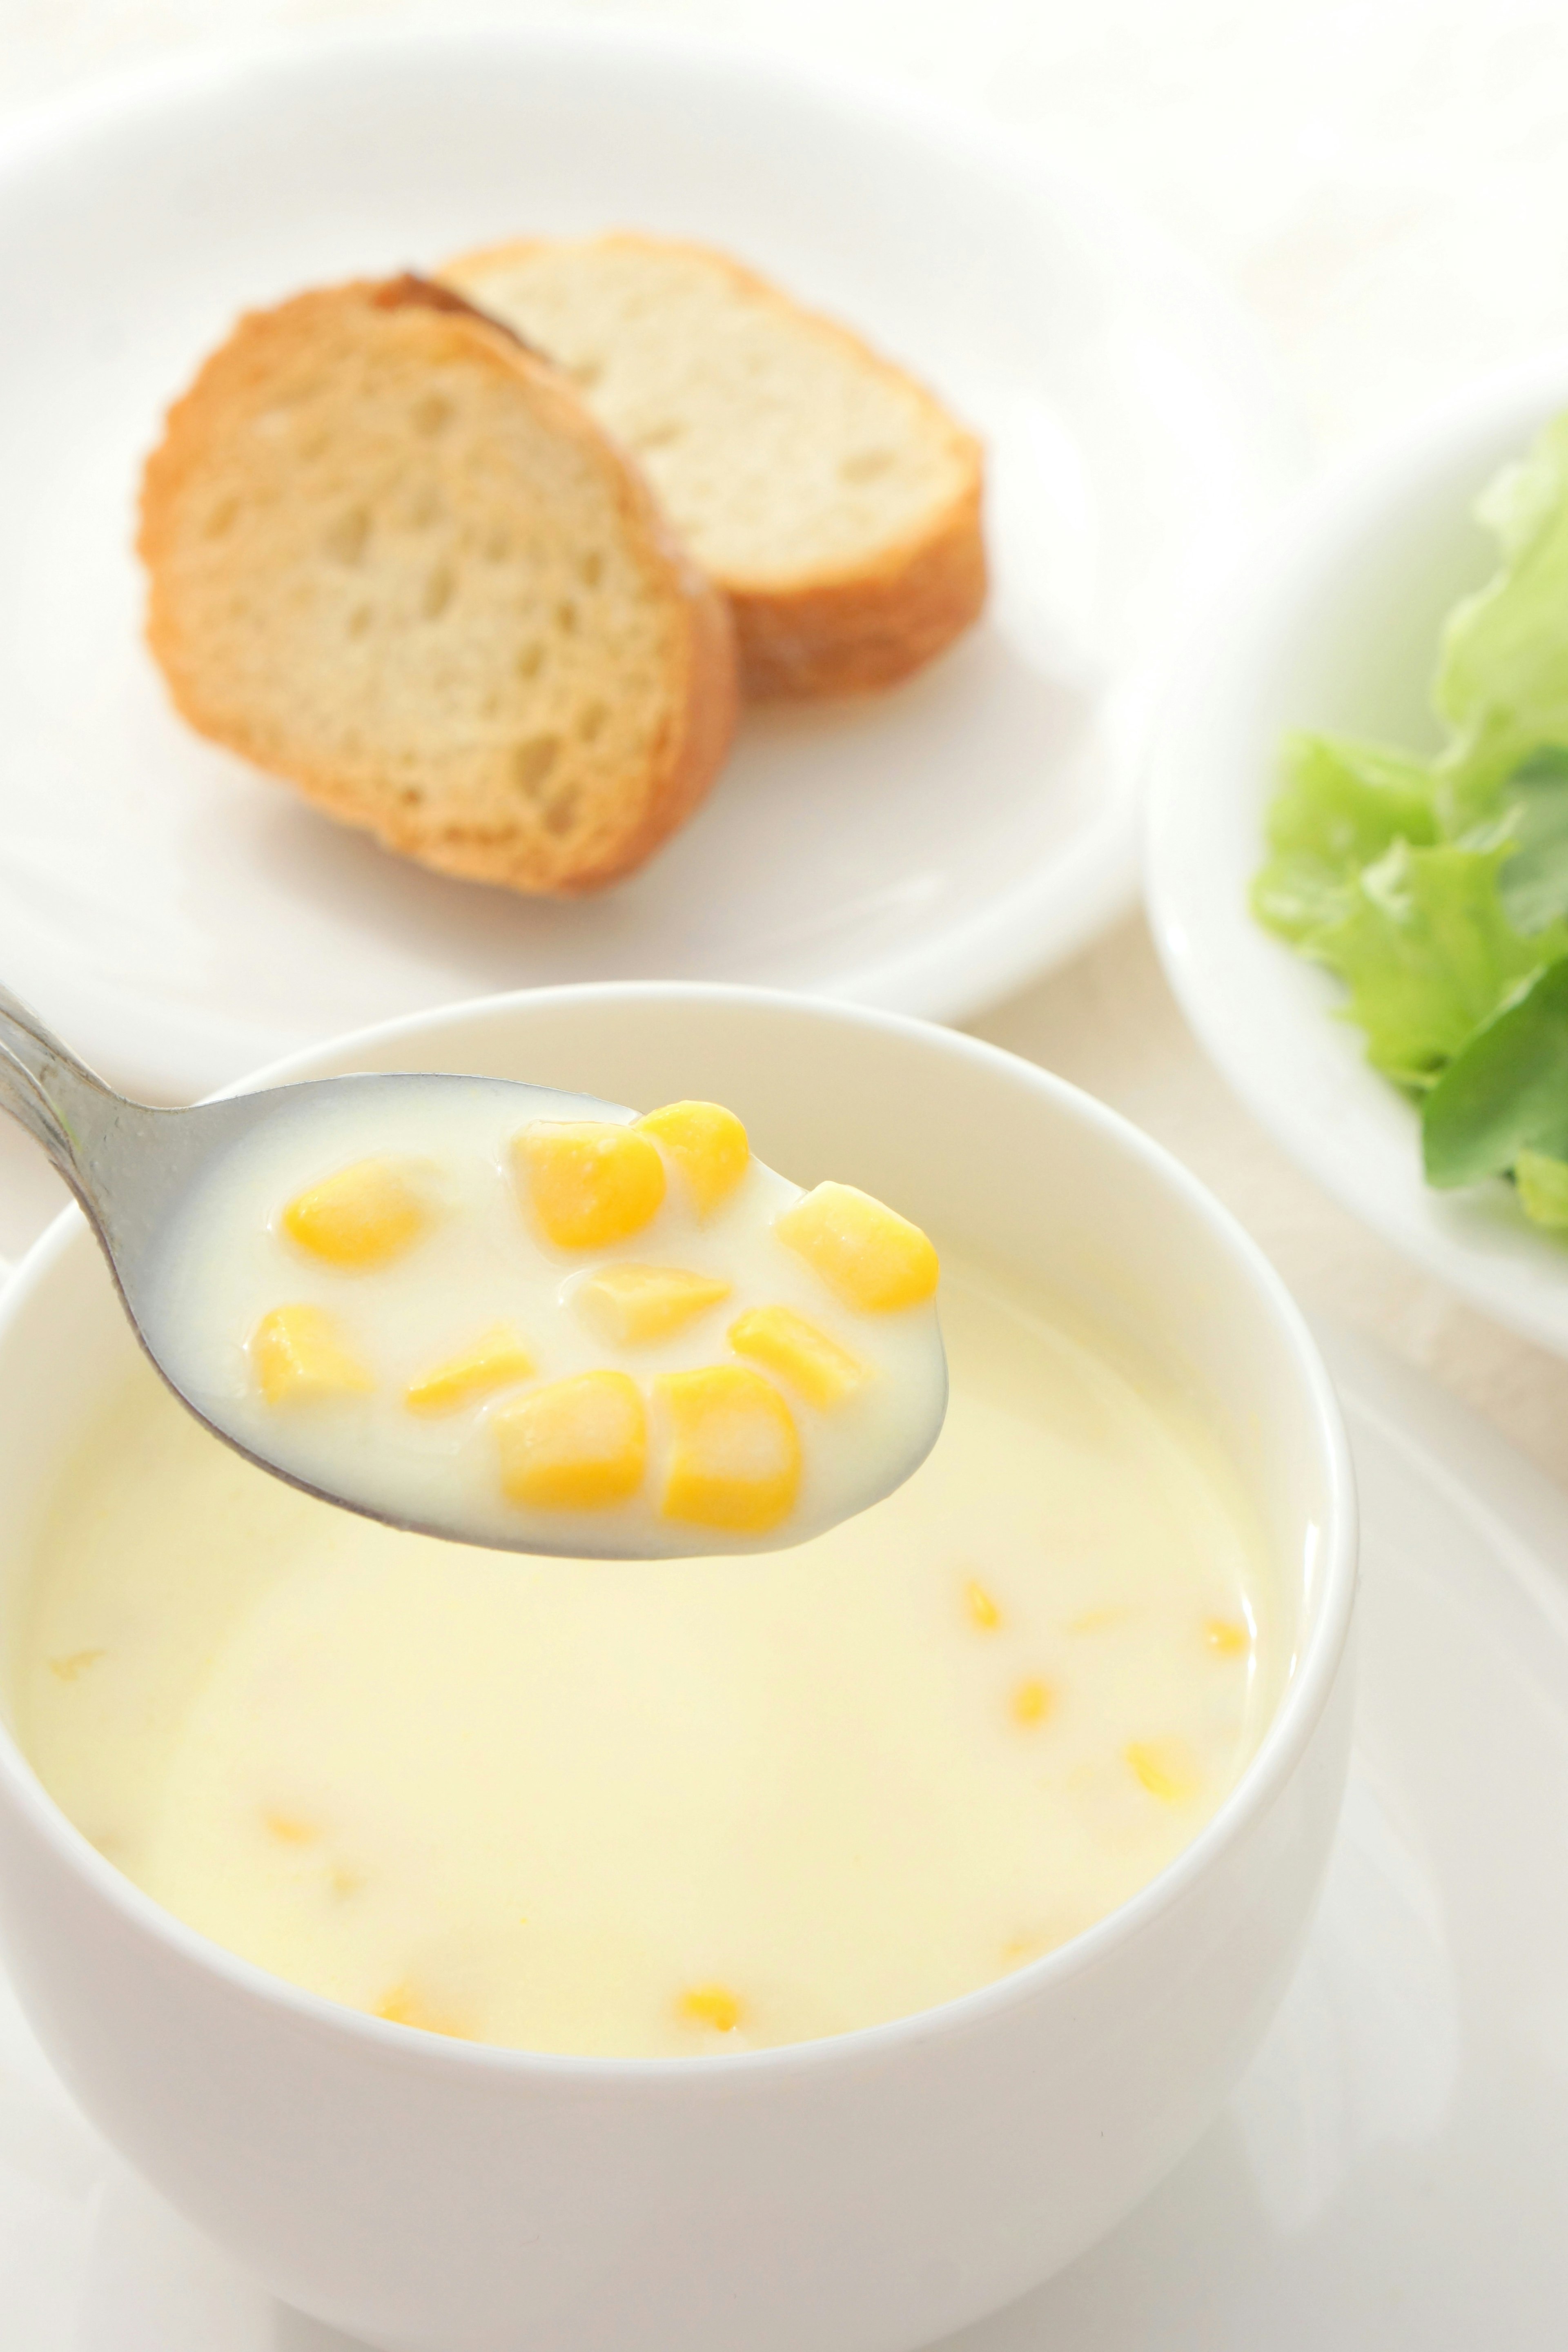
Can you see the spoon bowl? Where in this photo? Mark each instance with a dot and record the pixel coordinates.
(143, 1176)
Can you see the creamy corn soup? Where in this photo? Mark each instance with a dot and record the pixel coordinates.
(603, 1334)
(671, 1808)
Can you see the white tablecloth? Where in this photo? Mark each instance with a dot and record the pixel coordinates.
(1383, 183)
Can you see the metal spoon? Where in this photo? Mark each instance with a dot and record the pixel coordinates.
(130, 1163)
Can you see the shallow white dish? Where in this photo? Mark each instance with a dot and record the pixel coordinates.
(1390, 2175)
(184, 918)
(1334, 624)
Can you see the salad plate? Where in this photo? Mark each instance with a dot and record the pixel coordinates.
(926, 850)
(1391, 2173)
(1337, 624)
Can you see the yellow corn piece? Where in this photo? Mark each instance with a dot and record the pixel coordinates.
(982, 1609)
(632, 1305)
(711, 2004)
(289, 1830)
(1167, 1769)
(405, 2006)
(867, 1254)
(707, 1144)
(1032, 1702)
(575, 1445)
(363, 1216)
(1227, 1639)
(76, 1663)
(736, 1459)
(590, 1183)
(300, 1358)
(823, 1371)
(495, 1360)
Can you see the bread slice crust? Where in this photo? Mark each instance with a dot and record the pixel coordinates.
(810, 622)
(393, 559)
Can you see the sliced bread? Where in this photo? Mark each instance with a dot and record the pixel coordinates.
(830, 495)
(393, 559)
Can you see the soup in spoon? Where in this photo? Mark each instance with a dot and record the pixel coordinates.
(465, 1311)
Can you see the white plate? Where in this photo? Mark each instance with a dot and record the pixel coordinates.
(1334, 624)
(1392, 2174)
(181, 919)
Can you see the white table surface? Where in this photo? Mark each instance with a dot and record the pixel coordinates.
(1383, 183)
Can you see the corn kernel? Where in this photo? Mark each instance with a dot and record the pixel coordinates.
(405, 2006)
(711, 2004)
(631, 1305)
(289, 1830)
(736, 1462)
(1226, 1638)
(363, 1216)
(575, 1445)
(1166, 1767)
(590, 1183)
(707, 1144)
(78, 1663)
(495, 1360)
(300, 1358)
(824, 1372)
(982, 1609)
(1031, 1702)
(867, 1255)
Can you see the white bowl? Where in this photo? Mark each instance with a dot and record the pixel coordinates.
(433, 2196)
(1334, 624)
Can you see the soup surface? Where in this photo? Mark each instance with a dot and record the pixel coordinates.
(674, 1807)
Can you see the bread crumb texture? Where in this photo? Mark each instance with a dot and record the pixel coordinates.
(393, 559)
(836, 501)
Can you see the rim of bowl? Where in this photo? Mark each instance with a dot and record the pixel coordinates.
(1311, 542)
(1296, 1714)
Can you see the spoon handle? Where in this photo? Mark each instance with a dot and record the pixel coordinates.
(48, 1091)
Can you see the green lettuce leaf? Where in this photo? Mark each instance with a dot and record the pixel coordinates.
(1343, 803)
(1544, 1189)
(1534, 883)
(1506, 1093)
(1502, 681)
(1428, 954)
(1439, 892)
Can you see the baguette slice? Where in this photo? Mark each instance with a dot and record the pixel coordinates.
(832, 498)
(393, 558)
